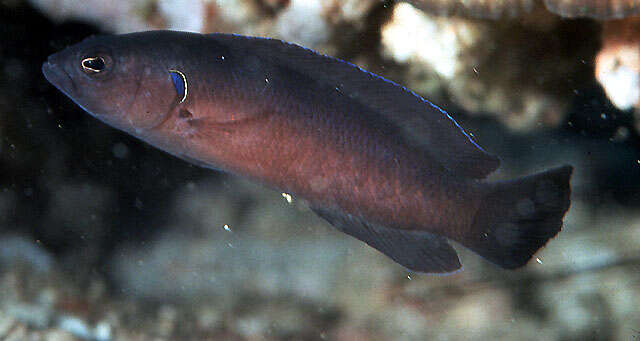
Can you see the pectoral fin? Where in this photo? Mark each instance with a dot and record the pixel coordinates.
(417, 251)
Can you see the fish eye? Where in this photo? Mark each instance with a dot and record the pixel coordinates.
(180, 83)
(93, 65)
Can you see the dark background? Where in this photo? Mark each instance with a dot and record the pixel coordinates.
(81, 202)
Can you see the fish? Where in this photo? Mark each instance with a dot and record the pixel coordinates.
(372, 158)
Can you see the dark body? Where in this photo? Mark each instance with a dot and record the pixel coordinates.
(372, 158)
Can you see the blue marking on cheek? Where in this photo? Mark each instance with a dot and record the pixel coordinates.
(180, 84)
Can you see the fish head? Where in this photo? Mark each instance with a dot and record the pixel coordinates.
(122, 80)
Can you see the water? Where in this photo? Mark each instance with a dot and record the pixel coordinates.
(102, 230)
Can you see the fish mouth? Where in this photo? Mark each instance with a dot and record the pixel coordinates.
(57, 76)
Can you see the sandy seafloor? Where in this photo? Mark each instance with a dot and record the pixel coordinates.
(105, 238)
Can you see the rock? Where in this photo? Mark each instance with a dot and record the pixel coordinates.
(598, 9)
(618, 64)
(20, 250)
(514, 71)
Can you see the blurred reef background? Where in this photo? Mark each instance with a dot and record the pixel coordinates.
(105, 238)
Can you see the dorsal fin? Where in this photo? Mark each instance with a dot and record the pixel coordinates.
(423, 124)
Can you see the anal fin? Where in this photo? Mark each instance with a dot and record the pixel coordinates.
(417, 251)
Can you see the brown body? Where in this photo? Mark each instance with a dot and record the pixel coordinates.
(328, 158)
(374, 159)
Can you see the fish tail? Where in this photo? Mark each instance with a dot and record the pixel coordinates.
(517, 217)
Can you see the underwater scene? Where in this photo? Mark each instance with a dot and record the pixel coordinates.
(319, 170)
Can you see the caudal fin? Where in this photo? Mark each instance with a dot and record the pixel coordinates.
(518, 217)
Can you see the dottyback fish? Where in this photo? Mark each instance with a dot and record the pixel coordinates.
(372, 158)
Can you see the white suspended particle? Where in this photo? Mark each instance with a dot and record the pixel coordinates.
(287, 197)
(227, 228)
(539, 260)
(409, 277)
